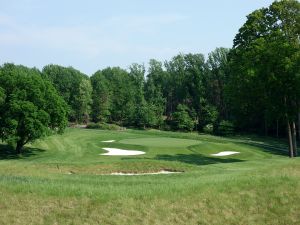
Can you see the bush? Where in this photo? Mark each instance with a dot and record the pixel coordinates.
(225, 128)
(166, 126)
(182, 120)
(93, 126)
(208, 128)
(104, 126)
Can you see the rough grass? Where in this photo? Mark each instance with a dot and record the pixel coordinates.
(59, 180)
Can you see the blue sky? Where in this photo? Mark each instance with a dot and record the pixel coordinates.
(91, 35)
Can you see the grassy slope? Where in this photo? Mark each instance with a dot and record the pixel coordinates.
(258, 186)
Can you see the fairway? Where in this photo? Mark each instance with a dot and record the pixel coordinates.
(63, 180)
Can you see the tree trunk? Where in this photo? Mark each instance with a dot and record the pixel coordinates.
(291, 152)
(294, 133)
(19, 147)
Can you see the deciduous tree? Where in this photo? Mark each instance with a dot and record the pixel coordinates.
(265, 67)
(30, 107)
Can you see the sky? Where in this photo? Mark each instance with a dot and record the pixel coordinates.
(93, 34)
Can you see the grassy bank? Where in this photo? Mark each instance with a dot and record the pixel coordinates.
(63, 180)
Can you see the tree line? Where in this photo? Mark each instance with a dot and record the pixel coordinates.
(252, 87)
(185, 93)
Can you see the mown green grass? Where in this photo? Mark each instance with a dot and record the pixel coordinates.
(63, 180)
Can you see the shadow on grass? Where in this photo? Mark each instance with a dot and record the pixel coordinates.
(194, 159)
(270, 149)
(7, 152)
(275, 146)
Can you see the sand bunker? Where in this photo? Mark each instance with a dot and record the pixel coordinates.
(225, 153)
(117, 151)
(139, 174)
(109, 141)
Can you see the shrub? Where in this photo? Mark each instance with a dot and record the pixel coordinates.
(208, 128)
(93, 126)
(182, 120)
(104, 126)
(166, 126)
(225, 128)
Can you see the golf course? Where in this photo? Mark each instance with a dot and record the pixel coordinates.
(65, 179)
(150, 112)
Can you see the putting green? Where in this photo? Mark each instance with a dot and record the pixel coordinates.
(161, 142)
(166, 145)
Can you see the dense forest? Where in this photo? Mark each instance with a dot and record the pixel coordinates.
(252, 87)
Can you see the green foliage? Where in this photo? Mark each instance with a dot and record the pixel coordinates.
(211, 114)
(104, 126)
(30, 106)
(216, 79)
(101, 98)
(2, 96)
(182, 119)
(225, 128)
(74, 87)
(122, 102)
(185, 82)
(264, 82)
(154, 85)
(146, 117)
(141, 116)
(83, 101)
(208, 128)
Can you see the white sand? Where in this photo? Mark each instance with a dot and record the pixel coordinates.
(109, 141)
(117, 151)
(225, 153)
(138, 174)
